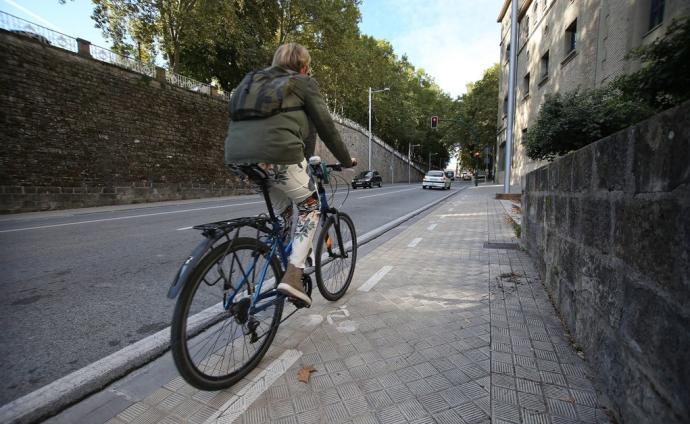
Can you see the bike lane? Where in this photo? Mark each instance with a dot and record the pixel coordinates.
(437, 326)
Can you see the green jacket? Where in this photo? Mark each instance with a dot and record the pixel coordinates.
(288, 137)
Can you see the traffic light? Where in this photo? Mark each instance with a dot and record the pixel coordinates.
(434, 122)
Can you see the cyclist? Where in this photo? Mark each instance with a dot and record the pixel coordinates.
(274, 114)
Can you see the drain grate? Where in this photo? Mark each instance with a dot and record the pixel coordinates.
(507, 246)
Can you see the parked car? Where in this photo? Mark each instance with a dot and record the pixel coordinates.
(480, 176)
(451, 175)
(367, 179)
(436, 179)
(466, 176)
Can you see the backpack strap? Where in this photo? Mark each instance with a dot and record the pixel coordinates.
(242, 95)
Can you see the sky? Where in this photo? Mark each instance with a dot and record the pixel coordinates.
(454, 41)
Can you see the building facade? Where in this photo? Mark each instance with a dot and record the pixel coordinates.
(564, 45)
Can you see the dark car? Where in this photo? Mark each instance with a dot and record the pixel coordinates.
(451, 175)
(367, 179)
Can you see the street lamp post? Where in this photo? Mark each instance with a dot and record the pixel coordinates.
(409, 159)
(430, 155)
(370, 93)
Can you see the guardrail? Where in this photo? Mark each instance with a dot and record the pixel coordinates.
(45, 35)
(85, 48)
(355, 126)
(109, 56)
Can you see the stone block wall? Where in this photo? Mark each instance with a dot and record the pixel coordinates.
(609, 226)
(78, 132)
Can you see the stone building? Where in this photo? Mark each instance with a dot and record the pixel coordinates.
(568, 44)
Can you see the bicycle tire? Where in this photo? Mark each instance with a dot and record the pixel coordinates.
(185, 345)
(333, 285)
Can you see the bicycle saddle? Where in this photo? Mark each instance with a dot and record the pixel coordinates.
(252, 171)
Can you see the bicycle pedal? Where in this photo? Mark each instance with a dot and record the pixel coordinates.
(299, 304)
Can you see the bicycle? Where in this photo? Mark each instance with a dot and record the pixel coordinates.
(219, 337)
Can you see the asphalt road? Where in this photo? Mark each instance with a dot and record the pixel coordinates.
(79, 285)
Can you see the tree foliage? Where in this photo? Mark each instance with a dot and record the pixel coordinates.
(222, 40)
(473, 120)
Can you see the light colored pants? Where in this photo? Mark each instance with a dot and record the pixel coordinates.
(291, 183)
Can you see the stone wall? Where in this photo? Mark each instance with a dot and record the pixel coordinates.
(78, 132)
(609, 226)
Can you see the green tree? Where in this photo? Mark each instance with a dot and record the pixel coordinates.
(222, 40)
(137, 26)
(473, 119)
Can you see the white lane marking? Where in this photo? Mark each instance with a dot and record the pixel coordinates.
(431, 227)
(184, 228)
(414, 242)
(128, 217)
(339, 319)
(462, 214)
(239, 403)
(383, 194)
(371, 282)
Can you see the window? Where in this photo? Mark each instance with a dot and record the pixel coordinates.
(505, 106)
(507, 52)
(524, 29)
(525, 85)
(544, 66)
(656, 13)
(571, 37)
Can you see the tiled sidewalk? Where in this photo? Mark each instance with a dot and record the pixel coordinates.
(437, 327)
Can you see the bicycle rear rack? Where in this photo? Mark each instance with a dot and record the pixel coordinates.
(213, 228)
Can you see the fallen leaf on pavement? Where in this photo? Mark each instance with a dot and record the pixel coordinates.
(304, 373)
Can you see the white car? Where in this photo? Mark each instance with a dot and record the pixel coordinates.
(436, 179)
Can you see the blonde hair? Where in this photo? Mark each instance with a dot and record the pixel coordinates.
(292, 56)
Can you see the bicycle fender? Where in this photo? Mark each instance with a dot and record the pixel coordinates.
(186, 269)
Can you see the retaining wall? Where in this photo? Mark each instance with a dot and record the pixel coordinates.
(609, 226)
(79, 132)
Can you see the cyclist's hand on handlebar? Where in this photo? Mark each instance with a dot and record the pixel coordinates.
(354, 161)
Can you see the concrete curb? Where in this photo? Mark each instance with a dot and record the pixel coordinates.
(56, 396)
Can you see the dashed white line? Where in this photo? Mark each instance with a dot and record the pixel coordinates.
(239, 403)
(462, 214)
(374, 279)
(431, 227)
(127, 217)
(414, 242)
(184, 228)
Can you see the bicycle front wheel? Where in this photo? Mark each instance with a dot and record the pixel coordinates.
(215, 342)
(335, 263)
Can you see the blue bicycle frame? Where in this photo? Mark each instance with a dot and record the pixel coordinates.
(275, 242)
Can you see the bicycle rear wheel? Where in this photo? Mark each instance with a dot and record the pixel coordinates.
(214, 347)
(335, 264)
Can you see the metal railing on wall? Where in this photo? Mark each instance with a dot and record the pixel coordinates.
(109, 56)
(357, 127)
(53, 38)
(29, 29)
